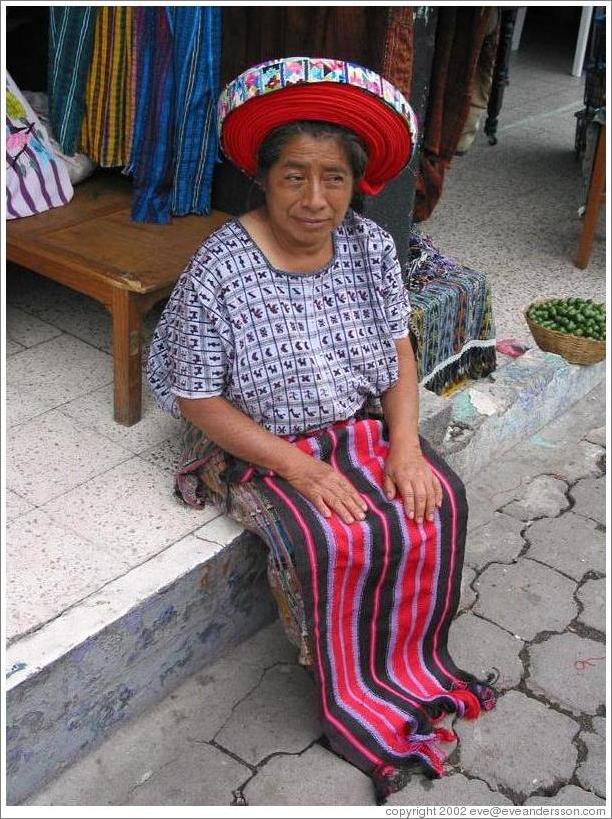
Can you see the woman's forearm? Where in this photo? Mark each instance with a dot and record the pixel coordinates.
(239, 435)
(400, 402)
(232, 430)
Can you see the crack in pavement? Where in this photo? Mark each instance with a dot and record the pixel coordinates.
(238, 794)
(248, 694)
(504, 790)
(522, 688)
(153, 774)
(226, 751)
(554, 569)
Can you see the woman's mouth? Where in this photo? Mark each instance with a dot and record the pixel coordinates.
(312, 223)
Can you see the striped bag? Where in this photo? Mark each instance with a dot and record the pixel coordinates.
(36, 179)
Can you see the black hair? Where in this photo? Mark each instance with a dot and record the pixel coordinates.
(274, 142)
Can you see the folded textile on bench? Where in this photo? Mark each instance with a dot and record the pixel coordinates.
(452, 317)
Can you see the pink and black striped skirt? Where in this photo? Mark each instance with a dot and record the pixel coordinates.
(370, 603)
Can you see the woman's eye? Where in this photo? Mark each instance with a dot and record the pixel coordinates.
(293, 178)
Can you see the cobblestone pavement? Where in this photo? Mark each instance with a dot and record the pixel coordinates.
(245, 731)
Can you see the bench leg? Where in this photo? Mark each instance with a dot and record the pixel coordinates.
(594, 200)
(127, 357)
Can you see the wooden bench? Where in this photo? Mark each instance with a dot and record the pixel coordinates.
(92, 246)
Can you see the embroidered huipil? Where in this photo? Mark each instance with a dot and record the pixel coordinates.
(293, 351)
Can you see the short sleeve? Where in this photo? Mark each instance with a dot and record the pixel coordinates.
(189, 352)
(397, 304)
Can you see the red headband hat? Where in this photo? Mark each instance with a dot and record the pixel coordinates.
(279, 92)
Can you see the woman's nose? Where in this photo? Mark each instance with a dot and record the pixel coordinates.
(314, 196)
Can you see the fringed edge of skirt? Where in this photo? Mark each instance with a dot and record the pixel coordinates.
(467, 701)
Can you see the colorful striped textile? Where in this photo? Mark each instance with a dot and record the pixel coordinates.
(452, 317)
(151, 157)
(174, 143)
(196, 34)
(71, 34)
(106, 132)
(36, 179)
(378, 595)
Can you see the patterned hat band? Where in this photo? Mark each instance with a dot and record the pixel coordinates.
(279, 92)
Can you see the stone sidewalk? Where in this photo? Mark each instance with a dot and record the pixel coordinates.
(245, 730)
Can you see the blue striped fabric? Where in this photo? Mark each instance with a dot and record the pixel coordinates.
(151, 157)
(71, 34)
(197, 51)
(175, 145)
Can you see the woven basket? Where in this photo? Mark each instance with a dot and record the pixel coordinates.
(574, 349)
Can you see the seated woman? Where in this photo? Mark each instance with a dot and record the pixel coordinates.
(285, 322)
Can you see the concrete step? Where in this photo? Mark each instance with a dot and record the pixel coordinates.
(109, 657)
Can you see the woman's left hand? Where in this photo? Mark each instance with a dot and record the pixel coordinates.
(409, 475)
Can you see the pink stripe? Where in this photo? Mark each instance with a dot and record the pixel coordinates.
(453, 545)
(451, 498)
(373, 624)
(399, 653)
(351, 694)
(380, 459)
(315, 593)
(378, 702)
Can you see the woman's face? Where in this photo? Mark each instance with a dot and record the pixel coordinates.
(309, 189)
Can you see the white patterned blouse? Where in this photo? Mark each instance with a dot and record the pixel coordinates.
(293, 351)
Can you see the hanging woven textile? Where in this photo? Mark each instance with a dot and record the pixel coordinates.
(151, 157)
(397, 54)
(376, 36)
(174, 144)
(106, 133)
(196, 34)
(461, 36)
(71, 33)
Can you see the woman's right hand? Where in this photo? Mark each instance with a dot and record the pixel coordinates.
(327, 489)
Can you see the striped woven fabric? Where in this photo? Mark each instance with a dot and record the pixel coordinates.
(174, 143)
(106, 132)
(71, 33)
(151, 156)
(196, 34)
(378, 596)
(452, 317)
(36, 179)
